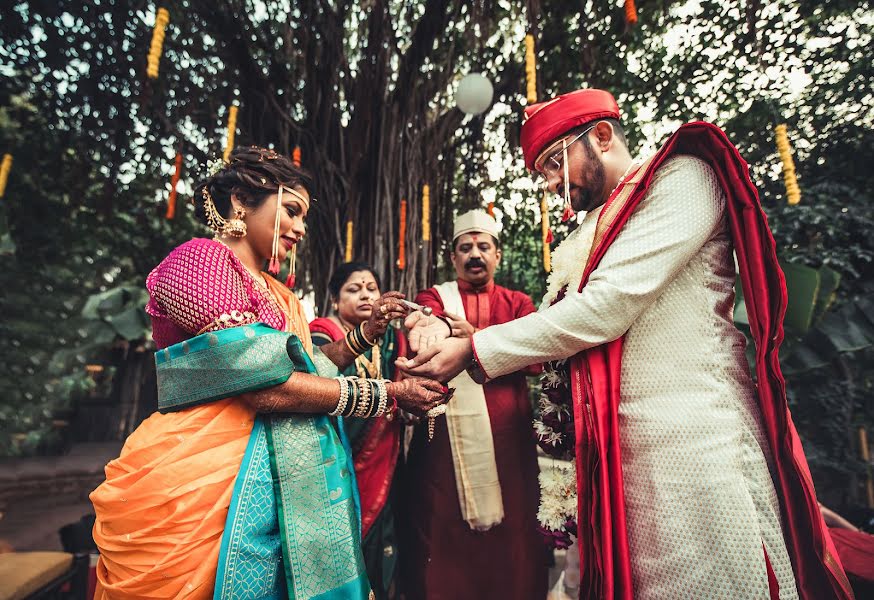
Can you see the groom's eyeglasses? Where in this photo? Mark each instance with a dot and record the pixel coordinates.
(552, 164)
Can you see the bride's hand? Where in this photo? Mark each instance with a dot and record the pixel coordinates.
(418, 395)
(385, 309)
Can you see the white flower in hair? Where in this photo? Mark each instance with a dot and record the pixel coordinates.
(214, 166)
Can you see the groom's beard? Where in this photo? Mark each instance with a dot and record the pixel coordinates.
(591, 194)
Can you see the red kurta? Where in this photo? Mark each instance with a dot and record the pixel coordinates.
(442, 558)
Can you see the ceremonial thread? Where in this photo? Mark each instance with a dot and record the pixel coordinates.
(546, 232)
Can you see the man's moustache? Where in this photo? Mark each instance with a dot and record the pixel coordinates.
(475, 263)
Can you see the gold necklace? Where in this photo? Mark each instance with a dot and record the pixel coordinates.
(369, 368)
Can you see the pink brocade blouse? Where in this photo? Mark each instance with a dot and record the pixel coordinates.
(202, 286)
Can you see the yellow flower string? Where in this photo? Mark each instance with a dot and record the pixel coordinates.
(530, 70)
(793, 192)
(349, 240)
(161, 20)
(232, 131)
(544, 231)
(402, 236)
(630, 12)
(426, 213)
(5, 167)
(531, 96)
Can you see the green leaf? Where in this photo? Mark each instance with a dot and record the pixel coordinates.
(848, 330)
(131, 324)
(802, 288)
(829, 280)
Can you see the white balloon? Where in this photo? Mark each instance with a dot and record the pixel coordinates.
(474, 94)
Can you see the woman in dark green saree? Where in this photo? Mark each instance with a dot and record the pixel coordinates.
(356, 299)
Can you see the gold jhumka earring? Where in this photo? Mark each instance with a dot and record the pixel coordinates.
(222, 227)
(236, 227)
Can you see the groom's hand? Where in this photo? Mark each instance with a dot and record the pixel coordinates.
(442, 361)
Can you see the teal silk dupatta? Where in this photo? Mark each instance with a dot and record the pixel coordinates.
(293, 526)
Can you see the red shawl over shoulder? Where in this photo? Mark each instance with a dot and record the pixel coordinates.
(595, 379)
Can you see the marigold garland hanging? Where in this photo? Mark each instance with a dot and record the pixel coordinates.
(161, 21)
(5, 168)
(490, 209)
(530, 70)
(545, 232)
(402, 236)
(630, 12)
(296, 156)
(171, 201)
(232, 131)
(793, 192)
(349, 240)
(426, 213)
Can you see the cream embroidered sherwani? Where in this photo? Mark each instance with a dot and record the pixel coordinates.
(700, 500)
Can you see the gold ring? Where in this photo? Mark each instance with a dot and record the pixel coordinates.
(383, 309)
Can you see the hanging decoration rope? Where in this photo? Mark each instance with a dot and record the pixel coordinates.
(292, 268)
(530, 70)
(161, 20)
(171, 201)
(291, 279)
(402, 236)
(793, 192)
(232, 131)
(630, 12)
(426, 213)
(349, 240)
(5, 168)
(545, 232)
(531, 97)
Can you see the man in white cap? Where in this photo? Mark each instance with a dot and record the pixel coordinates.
(471, 494)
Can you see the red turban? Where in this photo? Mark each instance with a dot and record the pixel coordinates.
(548, 120)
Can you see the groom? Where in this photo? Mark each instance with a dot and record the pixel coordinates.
(691, 479)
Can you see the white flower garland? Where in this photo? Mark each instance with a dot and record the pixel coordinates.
(558, 495)
(570, 257)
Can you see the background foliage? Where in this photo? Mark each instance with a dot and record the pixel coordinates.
(365, 88)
